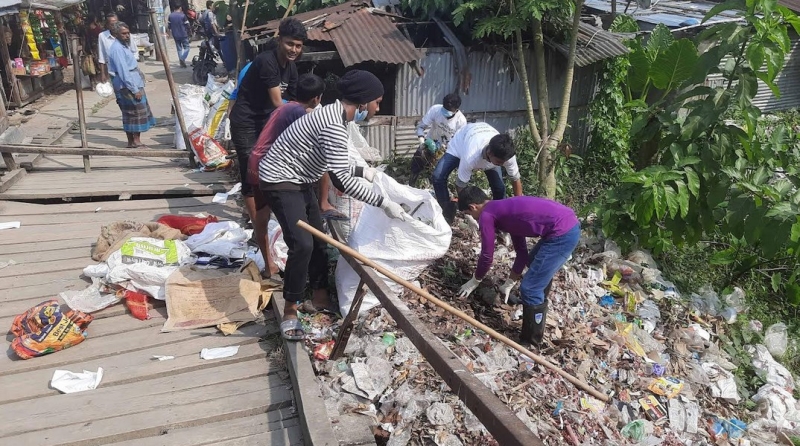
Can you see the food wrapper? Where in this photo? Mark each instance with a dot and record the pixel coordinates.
(668, 387)
(47, 328)
(654, 410)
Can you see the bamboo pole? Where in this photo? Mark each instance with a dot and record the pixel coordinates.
(285, 14)
(76, 69)
(455, 312)
(178, 113)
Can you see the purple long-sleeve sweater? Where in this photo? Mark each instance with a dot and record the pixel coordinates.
(521, 217)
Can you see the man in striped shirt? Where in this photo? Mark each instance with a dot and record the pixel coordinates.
(313, 145)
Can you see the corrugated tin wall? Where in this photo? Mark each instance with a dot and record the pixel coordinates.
(492, 92)
(788, 82)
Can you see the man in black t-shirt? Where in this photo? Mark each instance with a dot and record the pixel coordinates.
(270, 80)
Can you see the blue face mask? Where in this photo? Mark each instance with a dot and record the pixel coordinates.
(361, 115)
(447, 113)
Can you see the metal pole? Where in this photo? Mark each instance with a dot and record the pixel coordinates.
(76, 69)
(178, 113)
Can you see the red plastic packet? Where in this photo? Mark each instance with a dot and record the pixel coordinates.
(186, 224)
(48, 328)
(137, 304)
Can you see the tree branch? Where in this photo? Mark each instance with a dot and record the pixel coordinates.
(563, 113)
(541, 78)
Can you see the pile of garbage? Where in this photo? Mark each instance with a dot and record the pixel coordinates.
(205, 116)
(615, 323)
(202, 268)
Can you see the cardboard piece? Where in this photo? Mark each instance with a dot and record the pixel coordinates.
(205, 298)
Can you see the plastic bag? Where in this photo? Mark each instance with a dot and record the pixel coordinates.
(360, 144)
(208, 151)
(343, 203)
(46, 329)
(147, 263)
(776, 338)
(404, 247)
(186, 224)
(104, 89)
(278, 250)
(89, 299)
(768, 369)
(226, 239)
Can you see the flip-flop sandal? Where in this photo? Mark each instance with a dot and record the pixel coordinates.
(292, 325)
(309, 308)
(333, 214)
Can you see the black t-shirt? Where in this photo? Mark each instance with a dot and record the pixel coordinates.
(253, 104)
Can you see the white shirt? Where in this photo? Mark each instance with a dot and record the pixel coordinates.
(104, 42)
(441, 128)
(468, 146)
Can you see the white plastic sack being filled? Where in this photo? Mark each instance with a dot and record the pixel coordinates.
(404, 247)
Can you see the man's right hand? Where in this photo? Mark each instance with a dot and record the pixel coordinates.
(138, 95)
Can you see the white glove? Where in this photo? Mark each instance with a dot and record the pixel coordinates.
(393, 210)
(369, 174)
(422, 140)
(472, 224)
(506, 289)
(468, 287)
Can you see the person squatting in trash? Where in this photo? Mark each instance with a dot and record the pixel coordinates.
(314, 144)
(558, 230)
(309, 95)
(128, 82)
(270, 80)
(435, 129)
(476, 146)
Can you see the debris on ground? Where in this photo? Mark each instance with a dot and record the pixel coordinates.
(70, 382)
(614, 322)
(48, 328)
(219, 352)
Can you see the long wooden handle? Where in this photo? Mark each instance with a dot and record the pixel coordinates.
(456, 312)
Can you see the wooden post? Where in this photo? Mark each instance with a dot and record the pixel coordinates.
(12, 79)
(347, 326)
(76, 69)
(178, 113)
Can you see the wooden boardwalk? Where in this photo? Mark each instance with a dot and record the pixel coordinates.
(243, 400)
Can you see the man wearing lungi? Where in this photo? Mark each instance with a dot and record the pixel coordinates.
(128, 84)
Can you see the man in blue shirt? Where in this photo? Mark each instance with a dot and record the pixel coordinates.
(178, 29)
(128, 84)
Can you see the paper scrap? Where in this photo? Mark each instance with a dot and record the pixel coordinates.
(220, 198)
(8, 263)
(162, 357)
(235, 189)
(69, 382)
(219, 353)
(10, 225)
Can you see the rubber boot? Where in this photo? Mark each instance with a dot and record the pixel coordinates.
(534, 319)
(449, 212)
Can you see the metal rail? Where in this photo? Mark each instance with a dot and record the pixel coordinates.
(498, 419)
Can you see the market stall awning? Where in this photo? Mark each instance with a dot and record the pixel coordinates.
(13, 6)
(359, 34)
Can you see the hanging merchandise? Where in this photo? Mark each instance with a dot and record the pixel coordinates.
(28, 31)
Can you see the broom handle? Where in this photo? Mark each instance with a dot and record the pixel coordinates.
(455, 312)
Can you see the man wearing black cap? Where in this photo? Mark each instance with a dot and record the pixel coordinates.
(270, 81)
(313, 145)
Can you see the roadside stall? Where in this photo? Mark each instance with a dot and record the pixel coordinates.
(35, 51)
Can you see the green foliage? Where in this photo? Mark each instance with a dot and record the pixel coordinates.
(497, 17)
(426, 8)
(708, 176)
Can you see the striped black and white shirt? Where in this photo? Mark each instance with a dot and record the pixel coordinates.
(312, 145)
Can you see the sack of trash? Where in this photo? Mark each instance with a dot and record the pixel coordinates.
(404, 247)
(194, 109)
(47, 328)
(208, 151)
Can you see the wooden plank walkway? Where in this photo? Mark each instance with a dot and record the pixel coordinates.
(62, 176)
(243, 400)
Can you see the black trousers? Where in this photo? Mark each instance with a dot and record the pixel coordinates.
(307, 259)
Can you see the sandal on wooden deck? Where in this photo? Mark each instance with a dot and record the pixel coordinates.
(292, 326)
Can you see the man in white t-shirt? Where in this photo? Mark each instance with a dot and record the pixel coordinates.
(104, 43)
(476, 146)
(439, 125)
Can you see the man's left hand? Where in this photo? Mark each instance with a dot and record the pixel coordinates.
(138, 95)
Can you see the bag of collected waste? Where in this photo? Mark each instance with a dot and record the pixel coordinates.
(188, 225)
(404, 247)
(208, 151)
(48, 328)
(218, 101)
(147, 263)
(194, 109)
(225, 238)
(356, 145)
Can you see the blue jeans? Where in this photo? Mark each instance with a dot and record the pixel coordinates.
(447, 165)
(183, 48)
(545, 260)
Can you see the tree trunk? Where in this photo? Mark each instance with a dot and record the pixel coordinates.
(523, 74)
(547, 178)
(541, 79)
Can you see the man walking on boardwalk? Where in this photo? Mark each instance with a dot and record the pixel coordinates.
(128, 83)
(179, 30)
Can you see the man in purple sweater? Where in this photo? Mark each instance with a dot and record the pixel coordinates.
(558, 230)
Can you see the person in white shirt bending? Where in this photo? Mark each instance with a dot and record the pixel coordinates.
(476, 146)
(434, 131)
(104, 43)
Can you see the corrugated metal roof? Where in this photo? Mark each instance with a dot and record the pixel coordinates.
(672, 13)
(794, 5)
(358, 34)
(594, 44)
